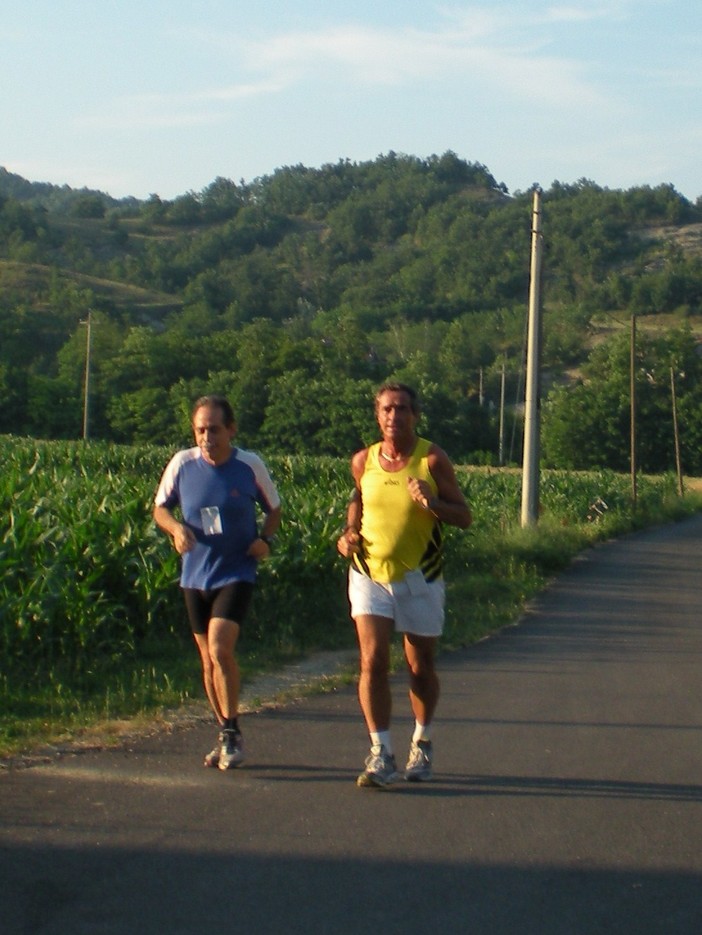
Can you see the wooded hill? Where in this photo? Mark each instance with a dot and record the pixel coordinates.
(297, 293)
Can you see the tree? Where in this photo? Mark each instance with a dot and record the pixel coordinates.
(221, 200)
(588, 425)
(329, 414)
(88, 206)
(141, 416)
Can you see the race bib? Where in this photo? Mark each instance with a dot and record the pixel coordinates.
(211, 521)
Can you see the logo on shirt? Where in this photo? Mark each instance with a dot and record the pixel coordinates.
(392, 483)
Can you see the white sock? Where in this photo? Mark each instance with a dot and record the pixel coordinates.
(378, 737)
(421, 732)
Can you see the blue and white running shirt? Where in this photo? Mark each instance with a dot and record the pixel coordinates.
(218, 503)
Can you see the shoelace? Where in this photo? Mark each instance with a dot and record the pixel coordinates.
(379, 761)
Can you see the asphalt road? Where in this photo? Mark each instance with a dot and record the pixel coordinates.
(567, 796)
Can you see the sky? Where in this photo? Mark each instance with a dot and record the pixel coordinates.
(164, 96)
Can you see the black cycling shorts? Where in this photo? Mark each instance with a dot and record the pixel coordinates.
(229, 602)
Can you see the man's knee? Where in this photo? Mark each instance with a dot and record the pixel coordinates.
(422, 670)
(222, 636)
(219, 656)
(375, 666)
(420, 658)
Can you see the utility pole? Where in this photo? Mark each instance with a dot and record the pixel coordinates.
(501, 456)
(530, 470)
(632, 403)
(86, 388)
(676, 433)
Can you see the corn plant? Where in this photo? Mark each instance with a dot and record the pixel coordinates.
(86, 577)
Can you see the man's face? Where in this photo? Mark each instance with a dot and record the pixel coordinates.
(212, 436)
(394, 414)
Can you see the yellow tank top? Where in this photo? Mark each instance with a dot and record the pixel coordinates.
(397, 535)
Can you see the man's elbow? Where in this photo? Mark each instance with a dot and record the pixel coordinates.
(466, 520)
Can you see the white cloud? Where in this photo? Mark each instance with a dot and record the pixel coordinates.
(679, 78)
(238, 92)
(473, 49)
(171, 111)
(501, 56)
(148, 120)
(582, 13)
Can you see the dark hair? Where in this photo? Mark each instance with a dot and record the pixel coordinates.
(394, 387)
(214, 400)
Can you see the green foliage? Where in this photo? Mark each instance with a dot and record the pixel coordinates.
(589, 425)
(88, 206)
(300, 597)
(84, 575)
(335, 411)
(88, 578)
(298, 290)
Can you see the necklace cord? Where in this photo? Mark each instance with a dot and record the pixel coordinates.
(399, 457)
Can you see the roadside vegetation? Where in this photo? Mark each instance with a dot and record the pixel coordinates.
(92, 628)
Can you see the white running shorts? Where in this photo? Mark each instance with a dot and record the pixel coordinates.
(415, 605)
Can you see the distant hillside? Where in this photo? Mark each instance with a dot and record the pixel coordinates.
(313, 284)
(688, 237)
(57, 198)
(32, 284)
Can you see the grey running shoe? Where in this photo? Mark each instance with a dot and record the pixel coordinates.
(231, 752)
(212, 758)
(418, 767)
(380, 769)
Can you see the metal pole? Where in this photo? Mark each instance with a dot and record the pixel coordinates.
(530, 471)
(632, 395)
(501, 456)
(86, 390)
(676, 434)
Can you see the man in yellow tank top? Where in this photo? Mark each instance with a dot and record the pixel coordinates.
(405, 488)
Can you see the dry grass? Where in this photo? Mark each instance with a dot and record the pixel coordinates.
(33, 282)
(686, 236)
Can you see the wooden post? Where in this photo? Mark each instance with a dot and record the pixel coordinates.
(676, 433)
(530, 471)
(86, 389)
(632, 403)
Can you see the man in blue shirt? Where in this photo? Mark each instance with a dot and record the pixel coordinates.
(217, 489)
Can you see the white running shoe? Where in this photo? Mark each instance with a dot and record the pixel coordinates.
(418, 767)
(380, 769)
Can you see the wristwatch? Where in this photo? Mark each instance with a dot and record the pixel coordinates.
(269, 540)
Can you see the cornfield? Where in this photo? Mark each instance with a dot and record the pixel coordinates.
(86, 576)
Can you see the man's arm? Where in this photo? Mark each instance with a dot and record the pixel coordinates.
(449, 505)
(271, 523)
(183, 538)
(260, 547)
(349, 541)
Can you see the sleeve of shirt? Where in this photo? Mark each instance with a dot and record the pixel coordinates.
(167, 493)
(267, 494)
